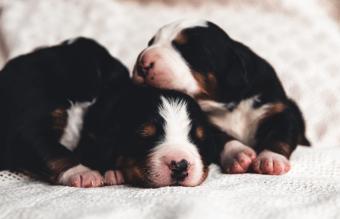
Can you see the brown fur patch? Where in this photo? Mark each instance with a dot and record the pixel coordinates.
(181, 38)
(132, 171)
(59, 117)
(273, 109)
(200, 133)
(148, 130)
(276, 108)
(207, 84)
(283, 148)
(57, 166)
(205, 173)
(134, 176)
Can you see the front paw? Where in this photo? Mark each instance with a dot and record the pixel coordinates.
(271, 163)
(82, 177)
(236, 157)
(113, 177)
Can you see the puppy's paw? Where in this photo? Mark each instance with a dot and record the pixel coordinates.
(271, 163)
(82, 177)
(113, 177)
(236, 157)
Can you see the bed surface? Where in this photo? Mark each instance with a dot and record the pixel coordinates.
(310, 190)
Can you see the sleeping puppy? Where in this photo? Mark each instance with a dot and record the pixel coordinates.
(71, 116)
(239, 90)
(153, 138)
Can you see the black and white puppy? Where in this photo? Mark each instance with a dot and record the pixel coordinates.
(71, 115)
(239, 90)
(152, 137)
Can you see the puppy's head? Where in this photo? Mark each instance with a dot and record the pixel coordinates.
(164, 139)
(192, 56)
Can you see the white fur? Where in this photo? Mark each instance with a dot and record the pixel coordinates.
(169, 32)
(65, 177)
(241, 123)
(75, 114)
(177, 121)
(232, 148)
(176, 140)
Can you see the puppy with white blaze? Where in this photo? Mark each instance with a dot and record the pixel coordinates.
(72, 116)
(238, 90)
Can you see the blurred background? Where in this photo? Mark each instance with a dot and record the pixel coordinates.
(301, 39)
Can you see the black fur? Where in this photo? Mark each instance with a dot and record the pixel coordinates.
(33, 85)
(240, 74)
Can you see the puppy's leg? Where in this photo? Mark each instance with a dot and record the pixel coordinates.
(277, 137)
(60, 166)
(236, 157)
(34, 147)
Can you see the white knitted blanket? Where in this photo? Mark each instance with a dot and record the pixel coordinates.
(310, 190)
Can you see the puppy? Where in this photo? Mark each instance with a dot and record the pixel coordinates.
(71, 115)
(153, 138)
(239, 91)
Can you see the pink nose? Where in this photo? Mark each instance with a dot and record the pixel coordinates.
(146, 63)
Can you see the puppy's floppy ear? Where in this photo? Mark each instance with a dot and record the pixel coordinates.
(228, 59)
(233, 76)
(110, 70)
(236, 74)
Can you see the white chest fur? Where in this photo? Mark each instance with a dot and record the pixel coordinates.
(241, 123)
(72, 131)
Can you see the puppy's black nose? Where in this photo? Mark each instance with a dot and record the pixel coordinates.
(179, 170)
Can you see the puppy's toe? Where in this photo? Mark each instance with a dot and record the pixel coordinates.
(75, 181)
(237, 157)
(271, 163)
(81, 176)
(113, 177)
(91, 179)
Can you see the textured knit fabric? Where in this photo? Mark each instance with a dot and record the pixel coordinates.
(310, 190)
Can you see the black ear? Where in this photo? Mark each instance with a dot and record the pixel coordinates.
(113, 72)
(234, 80)
(304, 141)
(110, 70)
(236, 74)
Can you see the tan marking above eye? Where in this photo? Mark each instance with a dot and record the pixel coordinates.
(181, 38)
(275, 108)
(148, 130)
(278, 107)
(283, 148)
(200, 133)
(207, 84)
(59, 116)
